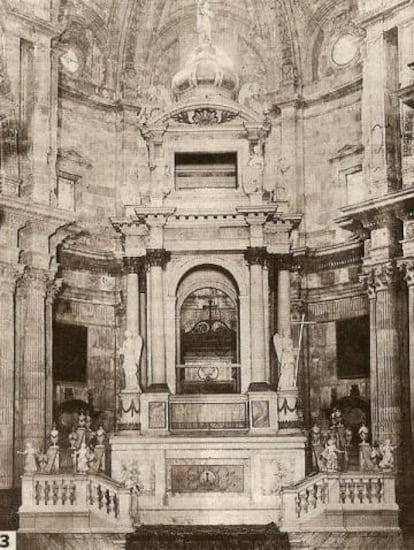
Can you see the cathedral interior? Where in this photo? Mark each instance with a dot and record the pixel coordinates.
(207, 274)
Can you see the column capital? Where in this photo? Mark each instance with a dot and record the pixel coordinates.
(53, 288)
(34, 280)
(9, 275)
(256, 255)
(133, 264)
(379, 278)
(158, 257)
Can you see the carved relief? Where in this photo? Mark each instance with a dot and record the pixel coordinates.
(275, 475)
(205, 116)
(207, 478)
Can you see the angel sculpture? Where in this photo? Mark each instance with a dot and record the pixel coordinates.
(131, 356)
(286, 357)
(30, 458)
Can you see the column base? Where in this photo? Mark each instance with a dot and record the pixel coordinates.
(129, 411)
(155, 412)
(287, 408)
(263, 412)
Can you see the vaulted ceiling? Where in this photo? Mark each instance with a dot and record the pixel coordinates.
(133, 43)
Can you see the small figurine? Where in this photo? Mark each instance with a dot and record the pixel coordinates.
(88, 421)
(330, 455)
(83, 458)
(82, 420)
(387, 452)
(73, 438)
(100, 435)
(365, 450)
(43, 463)
(317, 447)
(54, 436)
(376, 455)
(30, 460)
(348, 435)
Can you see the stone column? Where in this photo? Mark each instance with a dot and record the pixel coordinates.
(157, 258)
(256, 258)
(31, 360)
(132, 267)
(129, 398)
(408, 271)
(381, 282)
(283, 302)
(7, 289)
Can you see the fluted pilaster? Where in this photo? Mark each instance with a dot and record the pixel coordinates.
(156, 261)
(381, 282)
(256, 257)
(8, 277)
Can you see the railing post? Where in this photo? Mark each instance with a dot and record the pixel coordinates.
(334, 501)
(124, 508)
(27, 490)
(389, 489)
(81, 496)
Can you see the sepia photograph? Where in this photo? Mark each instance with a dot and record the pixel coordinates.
(207, 274)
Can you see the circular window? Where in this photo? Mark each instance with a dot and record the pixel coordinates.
(345, 49)
(70, 61)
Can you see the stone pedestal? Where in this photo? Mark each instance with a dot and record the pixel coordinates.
(155, 413)
(210, 480)
(129, 410)
(263, 412)
(287, 407)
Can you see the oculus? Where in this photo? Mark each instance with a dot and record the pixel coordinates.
(345, 49)
(70, 61)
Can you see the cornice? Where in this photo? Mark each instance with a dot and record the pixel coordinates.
(36, 211)
(100, 264)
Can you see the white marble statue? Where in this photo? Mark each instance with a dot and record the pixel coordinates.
(204, 19)
(82, 459)
(387, 453)
(286, 357)
(253, 176)
(131, 355)
(30, 458)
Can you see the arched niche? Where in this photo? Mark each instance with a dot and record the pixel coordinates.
(207, 332)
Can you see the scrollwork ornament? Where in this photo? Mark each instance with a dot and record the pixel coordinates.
(34, 281)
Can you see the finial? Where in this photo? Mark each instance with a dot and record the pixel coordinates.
(204, 18)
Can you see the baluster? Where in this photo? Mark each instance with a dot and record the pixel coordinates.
(37, 492)
(313, 496)
(297, 506)
(348, 491)
(100, 497)
(374, 491)
(72, 492)
(55, 493)
(324, 492)
(107, 501)
(364, 492)
(64, 492)
(342, 491)
(380, 490)
(90, 493)
(303, 496)
(116, 505)
(46, 492)
(318, 495)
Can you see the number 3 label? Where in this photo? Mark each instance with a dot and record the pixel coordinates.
(8, 540)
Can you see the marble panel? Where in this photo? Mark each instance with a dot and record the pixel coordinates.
(207, 478)
(157, 415)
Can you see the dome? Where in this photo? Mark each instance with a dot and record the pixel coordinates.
(208, 71)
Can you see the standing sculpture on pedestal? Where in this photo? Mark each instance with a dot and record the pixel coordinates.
(131, 355)
(286, 357)
(204, 19)
(253, 178)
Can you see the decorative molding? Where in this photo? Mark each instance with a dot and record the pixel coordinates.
(74, 261)
(406, 268)
(205, 116)
(33, 281)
